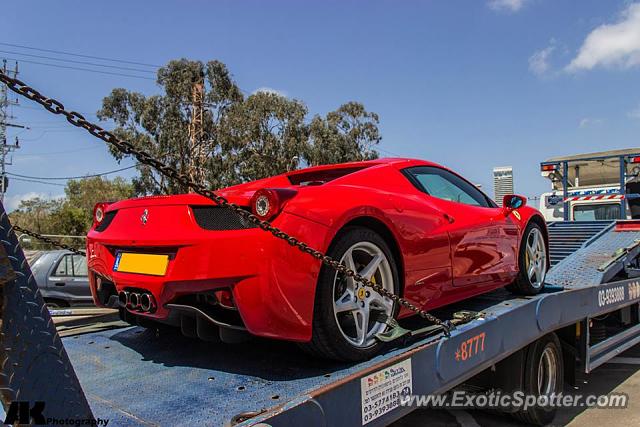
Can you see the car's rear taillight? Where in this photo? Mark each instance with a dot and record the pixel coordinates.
(266, 203)
(99, 213)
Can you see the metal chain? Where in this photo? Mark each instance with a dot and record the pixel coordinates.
(125, 147)
(55, 243)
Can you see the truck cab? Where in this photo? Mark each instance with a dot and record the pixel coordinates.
(600, 186)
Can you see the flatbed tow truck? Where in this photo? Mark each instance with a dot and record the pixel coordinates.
(139, 377)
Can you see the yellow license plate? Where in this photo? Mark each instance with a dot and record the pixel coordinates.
(152, 264)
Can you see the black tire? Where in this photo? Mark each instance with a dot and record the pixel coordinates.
(540, 415)
(327, 340)
(523, 285)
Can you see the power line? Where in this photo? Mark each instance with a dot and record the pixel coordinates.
(246, 92)
(77, 62)
(80, 69)
(37, 182)
(71, 177)
(44, 132)
(101, 58)
(60, 152)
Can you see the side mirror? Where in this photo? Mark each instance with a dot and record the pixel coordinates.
(513, 201)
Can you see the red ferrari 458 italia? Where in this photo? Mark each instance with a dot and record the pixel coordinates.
(414, 227)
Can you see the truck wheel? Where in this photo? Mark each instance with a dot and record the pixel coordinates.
(345, 312)
(532, 262)
(543, 376)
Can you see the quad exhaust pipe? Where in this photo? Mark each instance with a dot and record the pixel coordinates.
(147, 303)
(136, 301)
(123, 298)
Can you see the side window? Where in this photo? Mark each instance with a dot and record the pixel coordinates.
(79, 266)
(64, 267)
(447, 186)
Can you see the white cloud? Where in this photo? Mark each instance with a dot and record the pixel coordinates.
(635, 113)
(611, 45)
(506, 5)
(266, 89)
(539, 61)
(590, 121)
(12, 202)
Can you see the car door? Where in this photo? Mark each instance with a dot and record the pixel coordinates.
(69, 278)
(483, 239)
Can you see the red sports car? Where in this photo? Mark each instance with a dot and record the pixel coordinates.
(414, 227)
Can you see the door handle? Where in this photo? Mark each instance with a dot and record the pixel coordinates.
(449, 218)
(60, 283)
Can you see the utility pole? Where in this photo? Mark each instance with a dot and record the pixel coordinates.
(197, 148)
(6, 148)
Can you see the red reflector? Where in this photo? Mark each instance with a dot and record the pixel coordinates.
(634, 159)
(225, 298)
(627, 225)
(546, 168)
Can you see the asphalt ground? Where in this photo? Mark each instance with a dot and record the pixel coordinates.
(620, 375)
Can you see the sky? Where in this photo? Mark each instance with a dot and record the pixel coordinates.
(468, 84)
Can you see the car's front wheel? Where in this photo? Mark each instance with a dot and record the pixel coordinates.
(532, 262)
(346, 313)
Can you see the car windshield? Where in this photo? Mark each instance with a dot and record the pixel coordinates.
(596, 212)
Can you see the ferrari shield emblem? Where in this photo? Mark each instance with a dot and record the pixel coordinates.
(144, 217)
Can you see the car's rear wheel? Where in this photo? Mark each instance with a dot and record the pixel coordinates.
(532, 262)
(346, 313)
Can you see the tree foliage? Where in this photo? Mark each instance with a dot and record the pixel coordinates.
(347, 134)
(73, 214)
(243, 137)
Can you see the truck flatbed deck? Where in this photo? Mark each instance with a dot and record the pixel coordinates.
(169, 379)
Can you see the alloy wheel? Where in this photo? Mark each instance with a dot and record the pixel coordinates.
(536, 258)
(355, 306)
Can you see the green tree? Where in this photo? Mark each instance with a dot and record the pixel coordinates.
(71, 215)
(261, 136)
(35, 214)
(75, 214)
(242, 137)
(347, 134)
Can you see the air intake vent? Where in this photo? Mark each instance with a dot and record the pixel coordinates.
(219, 218)
(108, 217)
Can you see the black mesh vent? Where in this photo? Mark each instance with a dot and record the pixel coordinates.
(108, 217)
(218, 218)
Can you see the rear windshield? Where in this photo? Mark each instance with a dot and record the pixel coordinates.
(32, 256)
(322, 176)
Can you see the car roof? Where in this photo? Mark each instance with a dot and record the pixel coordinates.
(400, 162)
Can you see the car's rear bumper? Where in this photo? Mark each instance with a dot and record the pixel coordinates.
(273, 284)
